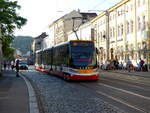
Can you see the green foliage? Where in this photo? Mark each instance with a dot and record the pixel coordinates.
(9, 20)
(7, 51)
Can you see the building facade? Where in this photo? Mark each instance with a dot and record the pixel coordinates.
(84, 32)
(37, 44)
(63, 25)
(68, 23)
(123, 32)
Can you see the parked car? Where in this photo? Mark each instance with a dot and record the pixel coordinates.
(23, 65)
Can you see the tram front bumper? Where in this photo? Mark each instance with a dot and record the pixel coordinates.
(84, 77)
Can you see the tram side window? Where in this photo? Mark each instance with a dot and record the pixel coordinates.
(39, 57)
(44, 57)
(55, 57)
(49, 57)
(64, 55)
(61, 55)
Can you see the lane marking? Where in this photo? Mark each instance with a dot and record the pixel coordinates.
(123, 102)
(129, 78)
(129, 92)
(132, 85)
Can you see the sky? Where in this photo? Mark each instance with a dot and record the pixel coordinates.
(41, 13)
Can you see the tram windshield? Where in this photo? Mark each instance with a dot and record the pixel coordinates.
(83, 54)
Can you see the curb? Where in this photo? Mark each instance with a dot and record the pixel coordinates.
(33, 105)
(128, 73)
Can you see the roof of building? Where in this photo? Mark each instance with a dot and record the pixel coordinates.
(88, 14)
(83, 14)
(43, 35)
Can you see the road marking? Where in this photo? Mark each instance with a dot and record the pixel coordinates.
(120, 101)
(129, 92)
(133, 85)
(138, 80)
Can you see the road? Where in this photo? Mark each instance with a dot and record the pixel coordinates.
(113, 93)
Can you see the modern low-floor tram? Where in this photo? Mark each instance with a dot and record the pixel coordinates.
(72, 60)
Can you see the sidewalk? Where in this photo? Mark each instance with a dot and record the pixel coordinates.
(137, 73)
(13, 94)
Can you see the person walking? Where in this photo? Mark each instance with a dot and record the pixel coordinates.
(12, 65)
(129, 65)
(17, 67)
(141, 64)
(5, 65)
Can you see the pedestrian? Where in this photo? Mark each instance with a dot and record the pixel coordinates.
(129, 65)
(17, 67)
(12, 65)
(5, 65)
(8, 65)
(120, 65)
(116, 63)
(141, 64)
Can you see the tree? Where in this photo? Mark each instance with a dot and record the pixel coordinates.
(9, 21)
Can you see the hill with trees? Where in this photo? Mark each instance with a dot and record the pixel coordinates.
(22, 43)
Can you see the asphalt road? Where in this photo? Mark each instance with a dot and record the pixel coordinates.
(113, 93)
(130, 93)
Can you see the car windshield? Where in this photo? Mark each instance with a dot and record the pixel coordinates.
(23, 63)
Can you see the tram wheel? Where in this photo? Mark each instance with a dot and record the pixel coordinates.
(65, 77)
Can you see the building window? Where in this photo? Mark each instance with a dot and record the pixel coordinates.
(127, 9)
(121, 29)
(138, 3)
(118, 30)
(139, 23)
(144, 24)
(128, 27)
(131, 26)
(131, 7)
(98, 38)
(110, 32)
(143, 2)
(118, 13)
(104, 35)
(113, 32)
(101, 36)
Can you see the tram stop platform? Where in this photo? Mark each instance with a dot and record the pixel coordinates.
(15, 94)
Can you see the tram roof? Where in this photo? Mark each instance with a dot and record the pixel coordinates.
(47, 48)
(63, 43)
(38, 51)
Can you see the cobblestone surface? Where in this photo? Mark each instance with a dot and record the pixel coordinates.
(59, 96)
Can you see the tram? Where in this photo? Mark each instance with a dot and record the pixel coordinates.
(72, 60)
